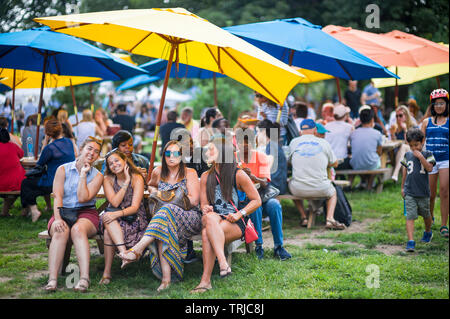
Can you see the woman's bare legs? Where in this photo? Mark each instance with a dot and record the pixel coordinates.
(138, 248)
(165, 268)
(433, 179)
(108, 252)
(56, 251)
(443, 195)
(80, 232)
(403, 149)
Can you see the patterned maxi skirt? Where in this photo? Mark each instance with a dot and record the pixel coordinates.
(173, 227)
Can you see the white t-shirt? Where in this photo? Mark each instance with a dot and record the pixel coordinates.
(338, 137)
(83, 130)
(310, 157)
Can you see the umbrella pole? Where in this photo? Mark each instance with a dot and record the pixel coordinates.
(13, 101)
(215, 90)
(396, 87)
(338, 87)
(75, 109)
(91, 98)
(161, 107)
(36, 145)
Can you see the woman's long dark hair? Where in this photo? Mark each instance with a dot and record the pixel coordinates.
(165, 169)
(433, 111)
(225, 168)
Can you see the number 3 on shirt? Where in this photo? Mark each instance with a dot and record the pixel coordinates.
(410, 167)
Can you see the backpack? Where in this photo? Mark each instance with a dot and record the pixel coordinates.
(343, 210)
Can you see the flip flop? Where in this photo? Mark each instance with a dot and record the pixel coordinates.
(225, 272)
(126, 261)
(444, 231)
(105, 280)
(333, 224)
(80, 287)
(51, 288)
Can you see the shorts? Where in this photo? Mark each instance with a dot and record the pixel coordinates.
(325, 190)
(240, 223)
(89, 213)
(416, 206)
(439, 165)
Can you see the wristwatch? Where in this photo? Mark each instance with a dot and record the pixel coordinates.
(243, 212)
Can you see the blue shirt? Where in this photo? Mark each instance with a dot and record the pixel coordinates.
(371, 90)
(70, 197)
(53, 155)
(437, 140)
(364, 142)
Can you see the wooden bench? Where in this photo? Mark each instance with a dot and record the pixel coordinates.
(11, 194)
(381, 175)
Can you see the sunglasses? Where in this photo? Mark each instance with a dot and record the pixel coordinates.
(174, 153)
(96, 140)
(257, 95)
(111, 151)
(399, 115)
(439, 104)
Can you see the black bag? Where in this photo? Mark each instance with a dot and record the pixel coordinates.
(36, 172)
(69, 215)
(268, 192)
(129, 218)
(343, 210)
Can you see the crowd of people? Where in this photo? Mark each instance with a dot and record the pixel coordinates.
(225, 175)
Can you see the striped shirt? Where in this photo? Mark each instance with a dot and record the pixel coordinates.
(437, 140)
(272, 114)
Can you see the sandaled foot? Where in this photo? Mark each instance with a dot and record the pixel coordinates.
(225, 272)
(106, 280)
(129, 257)
(164, 285)
(51, 285)
(82, 285)
(333, 224)
(200, 289)
(304, 222)
(444, 231)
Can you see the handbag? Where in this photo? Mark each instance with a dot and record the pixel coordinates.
(268, 192)
(129, 218)
(70, 215)
(175, 196)
(36, 172)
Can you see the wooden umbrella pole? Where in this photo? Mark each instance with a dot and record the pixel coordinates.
(91, 97)
(396, 88)
(13, 101)
(215, 90)
(75, 109)
(338, 87)
(41, 98)
(161, 107)
(438, 82)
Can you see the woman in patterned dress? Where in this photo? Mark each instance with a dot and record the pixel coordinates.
(171, 226)
(124, 189)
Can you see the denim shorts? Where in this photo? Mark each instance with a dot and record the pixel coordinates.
(439, 165)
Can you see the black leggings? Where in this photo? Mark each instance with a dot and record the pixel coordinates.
(30, 190)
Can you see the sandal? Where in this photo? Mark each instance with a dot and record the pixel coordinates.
(80, 287)
(444, 231)
(333, 224)
(126, 261)
(225, 272)
(49, 287)
(200, 290)
(105, 280)
(304, 222)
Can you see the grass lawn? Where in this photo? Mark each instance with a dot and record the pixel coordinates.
(367, 260)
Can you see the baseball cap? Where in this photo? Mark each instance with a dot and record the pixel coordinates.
(307, 124)
(364, 107)
(340, 110)
(321, 129)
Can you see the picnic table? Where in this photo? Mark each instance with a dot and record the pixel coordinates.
(388, 148)
(28, 162)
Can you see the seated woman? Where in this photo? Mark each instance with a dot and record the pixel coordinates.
(222, 222)
(125, 222)
(11, 171)
(171, 226)
(75, 186)
(398, 132)
(58, 152)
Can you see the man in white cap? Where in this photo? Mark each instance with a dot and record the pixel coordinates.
(311, 157)
(338, 135)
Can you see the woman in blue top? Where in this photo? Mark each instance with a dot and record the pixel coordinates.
(53, 155)
(75, 186)
(435, 129)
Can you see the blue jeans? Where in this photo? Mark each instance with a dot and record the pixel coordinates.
(271, 208)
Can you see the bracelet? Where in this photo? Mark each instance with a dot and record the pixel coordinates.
(243, 212)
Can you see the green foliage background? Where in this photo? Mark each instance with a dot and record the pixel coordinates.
(425, 18)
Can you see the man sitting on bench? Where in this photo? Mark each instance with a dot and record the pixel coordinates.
(366, 144)
(310, 157)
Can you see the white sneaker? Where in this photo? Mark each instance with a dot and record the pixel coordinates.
(394, 178)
